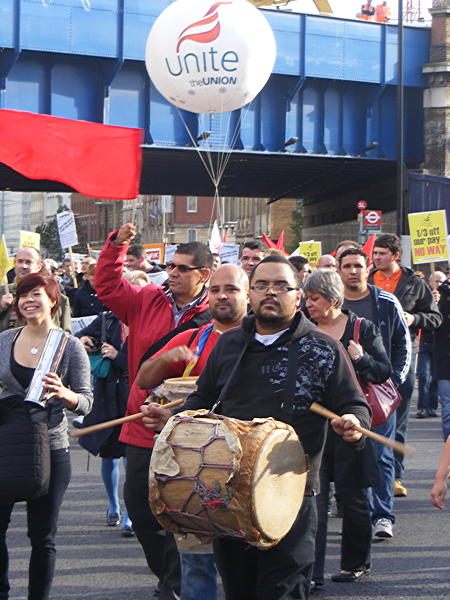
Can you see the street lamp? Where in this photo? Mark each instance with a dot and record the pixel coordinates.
(400, 124)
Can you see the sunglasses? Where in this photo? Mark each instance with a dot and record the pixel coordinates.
(182, 268)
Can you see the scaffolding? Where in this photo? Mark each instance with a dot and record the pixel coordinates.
(412, 12)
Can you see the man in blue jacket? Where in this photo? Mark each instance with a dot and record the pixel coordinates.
(383, 309)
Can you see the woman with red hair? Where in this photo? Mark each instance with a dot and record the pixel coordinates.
(37, 299)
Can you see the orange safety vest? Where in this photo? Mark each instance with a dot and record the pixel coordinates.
(383, 13)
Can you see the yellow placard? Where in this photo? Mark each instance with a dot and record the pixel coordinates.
(428, 231)
(4, 258)
(30, 239)
(312, 251)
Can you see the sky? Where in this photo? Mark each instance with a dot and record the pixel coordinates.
(349, 8)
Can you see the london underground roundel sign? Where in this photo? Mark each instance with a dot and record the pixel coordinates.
(210, 57)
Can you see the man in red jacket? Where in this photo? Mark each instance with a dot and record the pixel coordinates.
(154, 314)
(228, 299)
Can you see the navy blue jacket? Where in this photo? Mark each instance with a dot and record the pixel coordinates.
(110, 393)
(415, 297)
(86, 302)
(394, 331)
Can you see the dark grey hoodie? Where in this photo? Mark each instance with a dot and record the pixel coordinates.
(258, 385)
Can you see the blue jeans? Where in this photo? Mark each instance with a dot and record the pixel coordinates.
(401, 432)
(427, 384)
(198, 576)
(42, 518)
(382, 496)
(444, 398)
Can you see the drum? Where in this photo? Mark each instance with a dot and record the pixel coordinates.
(215, 476)
(174, 389)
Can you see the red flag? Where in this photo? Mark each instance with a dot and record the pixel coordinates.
(101, 161)
(224, 237)
(280, 243)
(268, 242)
(368, 248)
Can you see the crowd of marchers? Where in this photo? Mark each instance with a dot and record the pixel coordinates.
(267, 337)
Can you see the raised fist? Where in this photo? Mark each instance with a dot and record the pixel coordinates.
(126, 233)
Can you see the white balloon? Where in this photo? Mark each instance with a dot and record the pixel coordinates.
(210, 57)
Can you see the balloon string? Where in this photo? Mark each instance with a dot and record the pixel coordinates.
(216, 200)
(195, 145)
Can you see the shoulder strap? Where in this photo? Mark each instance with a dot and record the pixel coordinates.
(103, 334)
(356, 329)
(230, 378)
(197, 320)
(289, 391)
(192, 338)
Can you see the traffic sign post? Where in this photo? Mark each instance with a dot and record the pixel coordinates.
(361, 206)
(369, 221)
(373, 220)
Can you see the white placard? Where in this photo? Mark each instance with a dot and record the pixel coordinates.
(67, 229)
(79, 323)
(170, 250)
(229, 253)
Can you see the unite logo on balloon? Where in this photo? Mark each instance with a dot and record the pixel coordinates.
(210, 57)
(198, 63)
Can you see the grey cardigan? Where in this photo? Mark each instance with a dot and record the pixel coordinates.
(74, 371)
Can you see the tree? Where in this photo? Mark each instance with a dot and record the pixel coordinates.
(296, 228)
(50, 237)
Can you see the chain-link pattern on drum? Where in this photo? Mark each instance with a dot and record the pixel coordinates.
(215, 476)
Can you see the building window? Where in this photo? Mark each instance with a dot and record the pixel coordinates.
(192, 235)
(191, 204)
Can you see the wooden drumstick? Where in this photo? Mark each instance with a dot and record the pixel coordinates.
(106, 424)
(397, 446)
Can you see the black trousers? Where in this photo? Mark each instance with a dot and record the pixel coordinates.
(356, 524)
(159, 546)
(42, 520)
(283, 571)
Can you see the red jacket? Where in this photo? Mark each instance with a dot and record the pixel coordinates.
(148, 313)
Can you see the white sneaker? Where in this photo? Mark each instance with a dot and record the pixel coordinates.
(383, 529)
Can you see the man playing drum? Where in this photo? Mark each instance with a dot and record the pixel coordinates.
(228, 298)
(248, 369)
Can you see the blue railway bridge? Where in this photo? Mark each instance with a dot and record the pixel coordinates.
(309, 133)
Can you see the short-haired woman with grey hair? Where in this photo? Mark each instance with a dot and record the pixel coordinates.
(352, 472)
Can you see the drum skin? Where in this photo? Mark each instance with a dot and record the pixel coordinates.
(175, 388)
(216, 476)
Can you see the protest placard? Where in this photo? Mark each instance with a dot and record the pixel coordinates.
(154, 252)
(169, 252)
(428, 232)
(312, 250)
(229, 253)
(29, 239)
(4, 259)
(67, 229)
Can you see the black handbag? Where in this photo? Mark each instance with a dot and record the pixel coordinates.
(24, 461)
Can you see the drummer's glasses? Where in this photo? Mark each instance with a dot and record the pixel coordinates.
(182, 268)
(278, 288)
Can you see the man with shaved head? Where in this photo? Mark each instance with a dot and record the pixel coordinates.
(228, 297)
(326, 261)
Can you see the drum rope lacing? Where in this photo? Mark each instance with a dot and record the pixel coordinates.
(209, 497)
